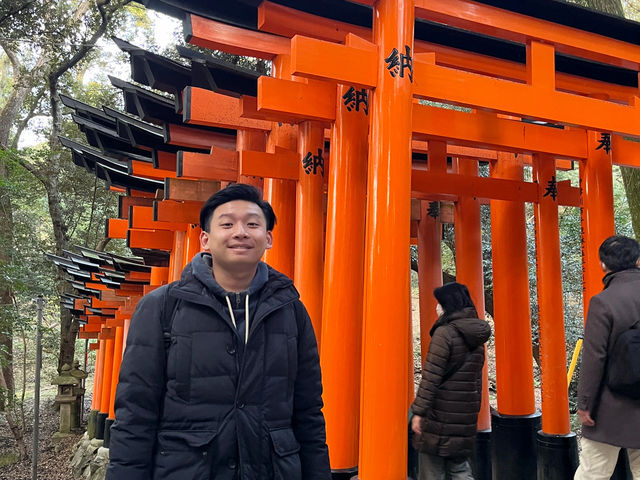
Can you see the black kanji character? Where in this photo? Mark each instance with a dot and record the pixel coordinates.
(552, 188)
(434, 209)
(605, 142)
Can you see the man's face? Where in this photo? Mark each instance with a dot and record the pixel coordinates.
(237, 235)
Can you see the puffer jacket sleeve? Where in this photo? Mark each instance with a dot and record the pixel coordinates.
(433, 371)
(594, 354)
(139, 394)
(308, 421)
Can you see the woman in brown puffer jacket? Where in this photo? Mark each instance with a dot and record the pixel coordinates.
(448, 399)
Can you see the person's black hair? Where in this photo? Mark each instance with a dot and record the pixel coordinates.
(453, 297)
(619, 253)
(236, 191)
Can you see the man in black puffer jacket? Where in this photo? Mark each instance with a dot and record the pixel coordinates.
(235, 394)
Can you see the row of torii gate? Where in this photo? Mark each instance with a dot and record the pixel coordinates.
(351, 161)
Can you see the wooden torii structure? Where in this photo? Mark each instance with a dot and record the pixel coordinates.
(549, 82)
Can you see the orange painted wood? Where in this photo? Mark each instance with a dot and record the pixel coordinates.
(158, 239)
(596, 215)
(625, 153)
(468, 237)
(95, 286)
(98, 370)
(176, 262)
(469, 89)
(159, 276)
(289, 22)
(429, 236)
(137, 275)
(189, 136)
(114, 322)
(138, 193)
(219, 164)
(141, 218)
(281, 194)
(424, 183)
(147, 170)
(113, 188)
(82, 335)
(107, 379)
(513, 26)
(305, 101)
(181, 189)
(192, 242)
(98, 303)
(386, 348)
(341, 352)
(165, 160)
(282, 164)
(115, 372)
(175, 211)
(486, 130)
(238, 41)
(313, 58)
(309, 230)
(124, 202)
(553, 362)
(92, 327)
(511, 309)
(117, 228)
(204, 107)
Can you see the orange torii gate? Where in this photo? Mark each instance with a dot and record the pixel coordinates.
(344, 55)
(346, 64)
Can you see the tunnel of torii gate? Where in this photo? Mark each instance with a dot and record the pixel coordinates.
(357, 168)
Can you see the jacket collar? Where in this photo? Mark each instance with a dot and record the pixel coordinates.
(277, 292)
(621, 275)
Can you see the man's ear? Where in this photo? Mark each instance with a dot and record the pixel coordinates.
(269, 240)
(204, 241)
(603, 266)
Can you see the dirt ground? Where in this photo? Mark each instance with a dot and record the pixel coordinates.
(53, 459)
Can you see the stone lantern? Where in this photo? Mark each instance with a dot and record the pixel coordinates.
(67, 399)
(79, 391)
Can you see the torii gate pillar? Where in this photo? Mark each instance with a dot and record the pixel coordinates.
(383, 426)
(468, 233)
(515, 424)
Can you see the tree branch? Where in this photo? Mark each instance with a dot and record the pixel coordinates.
(16, 11)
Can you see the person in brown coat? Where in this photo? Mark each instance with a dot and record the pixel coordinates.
(448, 400)
(609, 420)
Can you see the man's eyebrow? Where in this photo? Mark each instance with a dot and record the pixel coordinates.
(251, 214)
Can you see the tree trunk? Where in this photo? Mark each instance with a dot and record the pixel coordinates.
(16, 431)
(631, 179)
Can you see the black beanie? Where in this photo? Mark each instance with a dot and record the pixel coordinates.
(453, 297)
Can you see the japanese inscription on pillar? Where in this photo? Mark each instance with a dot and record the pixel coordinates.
(397, 62)
(604, 142)
(313, 163)
(552, 188)
(354, 98)
(434, 209)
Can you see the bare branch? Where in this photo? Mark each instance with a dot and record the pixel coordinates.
(13, 58)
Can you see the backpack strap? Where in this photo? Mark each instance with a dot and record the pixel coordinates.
(166, 317)
(297, 307)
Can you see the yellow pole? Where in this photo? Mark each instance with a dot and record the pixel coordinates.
(574, 361)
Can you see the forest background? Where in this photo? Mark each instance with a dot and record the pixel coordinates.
(48, 205)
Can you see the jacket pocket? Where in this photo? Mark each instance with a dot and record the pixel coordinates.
(285, 457)
(182, 454)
